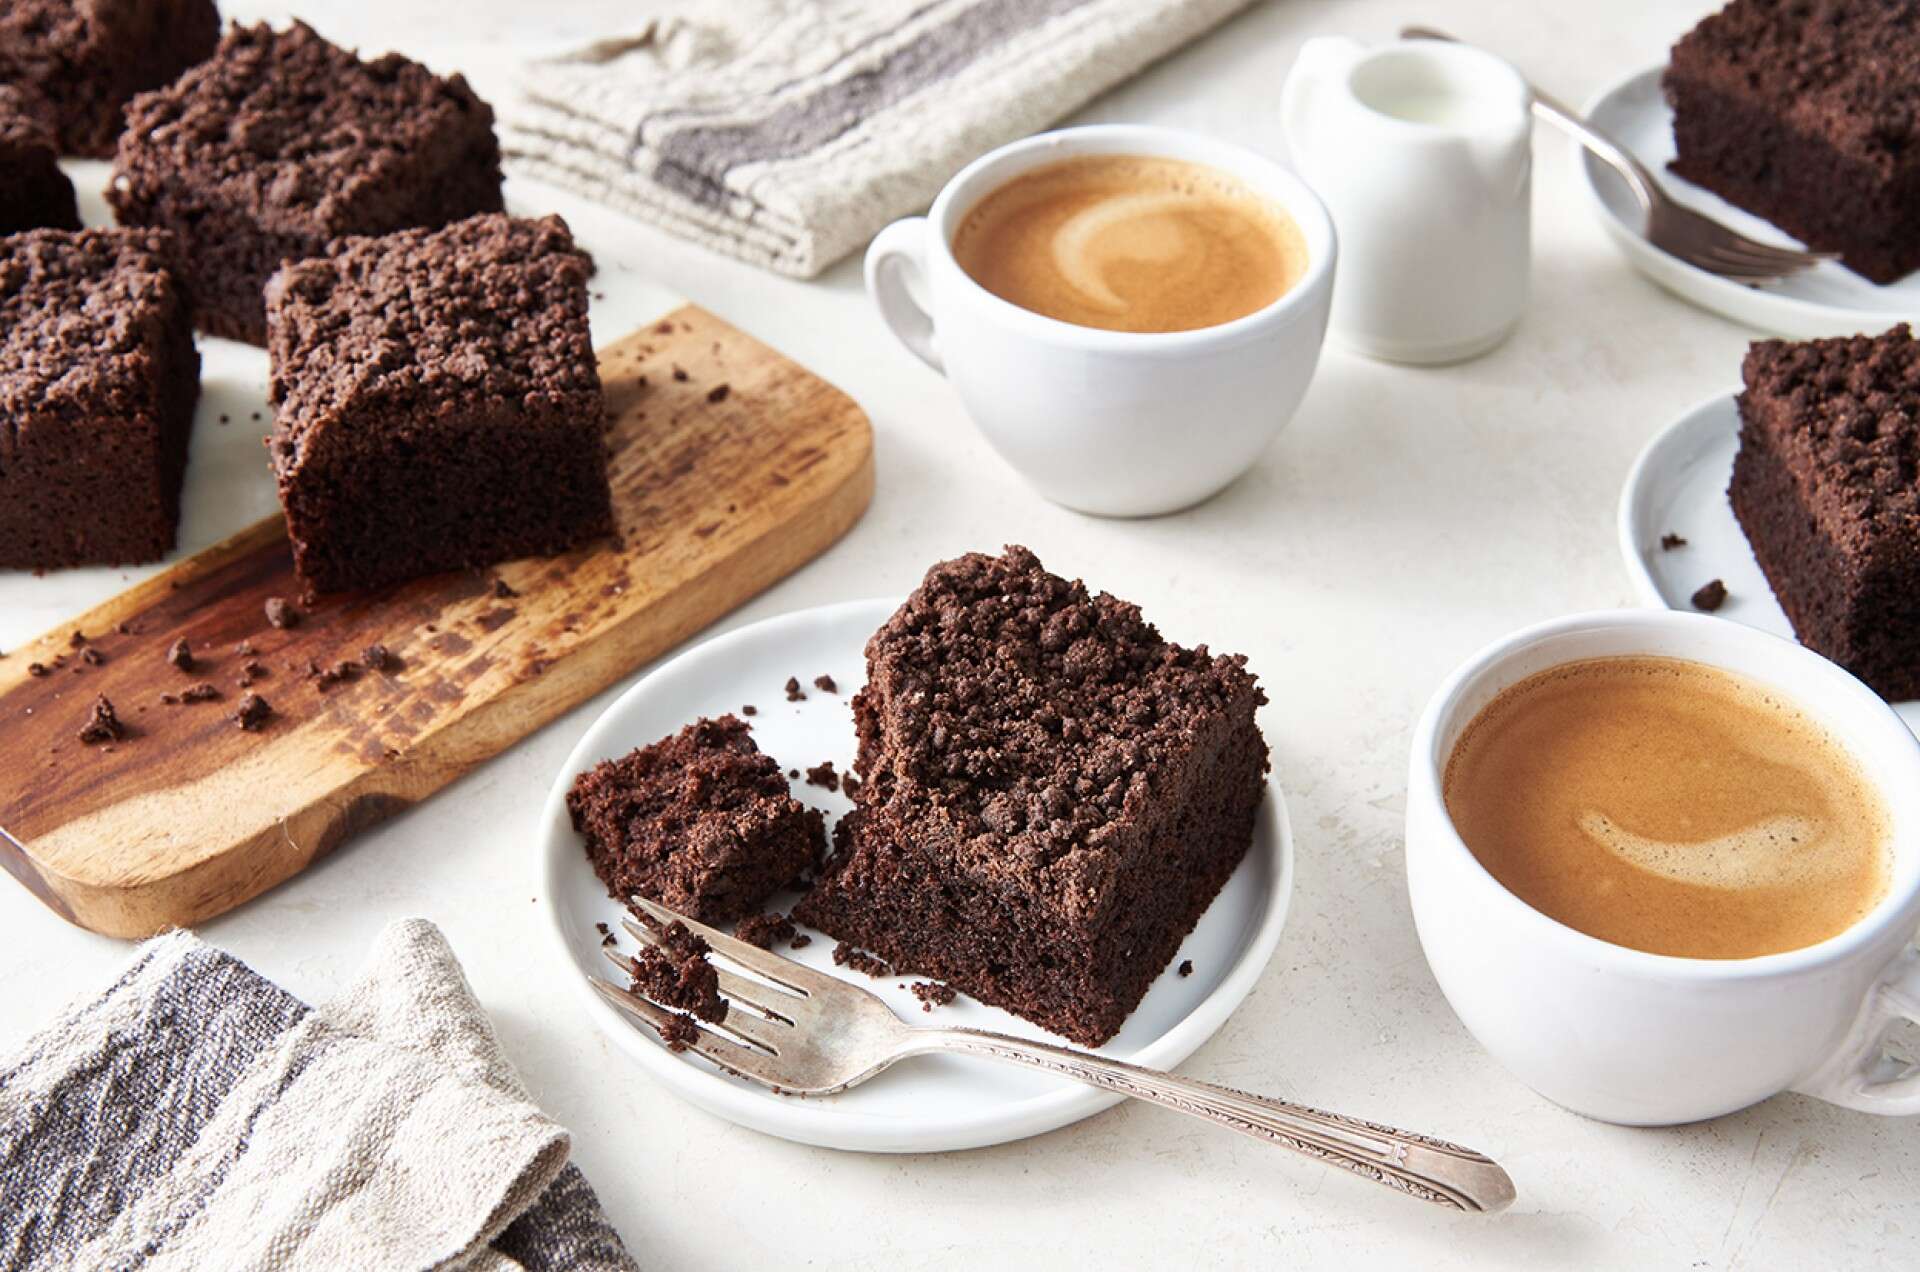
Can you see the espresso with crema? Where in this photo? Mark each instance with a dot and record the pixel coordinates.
(1131, 243)
(1671, 807)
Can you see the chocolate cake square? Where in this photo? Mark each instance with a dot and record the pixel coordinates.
(1051, 794)
(98, 380)
(701, 822)
(34, 193)
(77, 62)
(282, 142)
(1827, 486)
(436, 401)
(1807, 113)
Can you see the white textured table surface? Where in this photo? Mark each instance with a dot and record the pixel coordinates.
(1407, 517)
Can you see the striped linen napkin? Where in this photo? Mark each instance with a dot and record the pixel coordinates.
(787, 132)
(195, 1115)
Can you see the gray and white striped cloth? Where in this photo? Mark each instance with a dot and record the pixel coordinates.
(788, 132)
(195, 1115)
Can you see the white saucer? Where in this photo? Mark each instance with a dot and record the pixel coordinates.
(1679, 486)
(928, 1103)
(1827, 300)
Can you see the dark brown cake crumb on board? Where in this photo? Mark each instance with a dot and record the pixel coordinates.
(102, 725)
(281, 613)
(180, 655)
(253, 712)
(202, 692)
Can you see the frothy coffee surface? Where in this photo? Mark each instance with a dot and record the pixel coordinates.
(1671, 807)
(1131, 243)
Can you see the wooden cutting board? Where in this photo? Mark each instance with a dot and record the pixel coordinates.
(731, 467)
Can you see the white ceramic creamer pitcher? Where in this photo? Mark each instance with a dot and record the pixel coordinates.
(1422, 153)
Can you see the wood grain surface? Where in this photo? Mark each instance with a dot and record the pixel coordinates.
(731, 467)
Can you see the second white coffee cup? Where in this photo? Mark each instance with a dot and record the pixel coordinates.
(1106, 422)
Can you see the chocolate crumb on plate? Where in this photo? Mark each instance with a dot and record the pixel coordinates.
(675, 973)
(202, 692)
(749, 710)
(823, 775)
(102, 724)
(764, 929)
(253, 713)
(1711, 596)
(800, 941)
(281, 614)
(794, 692)
(933, 994)
(180, 655)
(853, 957)
(1669, 541)
(825, 684)
(1186, 967)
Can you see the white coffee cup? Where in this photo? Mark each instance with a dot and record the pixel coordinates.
(1108, 422)
(1649, 1039)
(1423, 152)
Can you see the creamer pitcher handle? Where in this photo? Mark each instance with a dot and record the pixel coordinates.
(1321, 62)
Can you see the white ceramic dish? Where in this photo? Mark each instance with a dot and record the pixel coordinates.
(928, 1103)
(1678, 485)
(1824, 301)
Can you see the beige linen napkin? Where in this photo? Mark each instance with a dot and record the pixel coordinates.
(194, 1115)
(788, 131)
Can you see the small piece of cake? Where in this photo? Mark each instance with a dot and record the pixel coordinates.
(282, 142)
(98, 380)
(1808, 114)
(675, 973)
(701, 822)
(76, 62)
(1051, 794)
(34, 193)
(1827, 487)
(437, 404)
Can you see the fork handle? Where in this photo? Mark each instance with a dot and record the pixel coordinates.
(1417, 1165)
(1568, 120)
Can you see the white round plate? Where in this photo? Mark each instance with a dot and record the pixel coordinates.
(1678, 485)
(928, 1103)
(1827, 300)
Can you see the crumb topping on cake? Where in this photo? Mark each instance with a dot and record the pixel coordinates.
(1854, 404)
(79, 307)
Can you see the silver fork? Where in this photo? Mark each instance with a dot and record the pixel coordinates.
(806, 1033)
(1671, 226)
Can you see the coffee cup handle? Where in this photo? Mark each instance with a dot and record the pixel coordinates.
(898, 251)
(1861, 1075)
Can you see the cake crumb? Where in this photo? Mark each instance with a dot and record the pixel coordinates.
(244, 649)
(38, 669)
(78, 638)
(92, 657)
(169, 699)
(764, 929)
(344, 670)
(503, 589)
(379, 658)
(1186, 967)
(825, 683)
(675, 973)
(281, 613)
(253, 670)
(1711, 596)
(202, 692)
(849, 785)
(1669, 541)
(800, 941)
(823, 775)
(679, 1032)
(180, 655)
(794, 692)
(102, 724)
(933, 994)
(253, 713)
(850, 956)
(749, 710)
